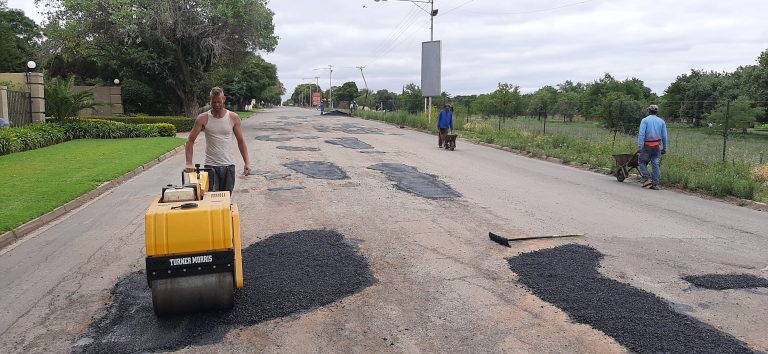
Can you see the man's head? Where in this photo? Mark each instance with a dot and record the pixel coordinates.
(653, 109)
(217, 98)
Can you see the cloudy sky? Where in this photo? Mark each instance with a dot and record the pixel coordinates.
(529, 43)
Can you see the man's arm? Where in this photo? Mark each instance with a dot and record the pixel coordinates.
(199, 124)
(664, 136)
(241, 145)
(641, 134)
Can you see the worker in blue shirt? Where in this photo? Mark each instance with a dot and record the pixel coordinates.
(651, 144)
(444, 123)
(322, 107)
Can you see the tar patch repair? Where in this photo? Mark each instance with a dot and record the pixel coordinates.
(726, 281)
(567, 277)
(350, 143)
(298, 148)
(318, 169)
(273, 138)
(409, 179)
(284, 275)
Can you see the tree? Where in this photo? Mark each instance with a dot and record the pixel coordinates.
(19, 40)
(621, 112)
(247, 81)
(567, 105)
(177, 43)
(543, 102)
(62, 103)
(273, 94)
(412, 99)
(302, 94)
(739, 114)
(753, 79)
(346, 93)
(386, 100)
(692, 95)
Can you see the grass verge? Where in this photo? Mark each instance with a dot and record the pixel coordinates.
(38, 181)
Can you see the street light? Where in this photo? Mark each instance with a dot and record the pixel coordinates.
(330, 84)
(31, 65)
(117, 82)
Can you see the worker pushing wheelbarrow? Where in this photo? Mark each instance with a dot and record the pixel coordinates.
(444, 126)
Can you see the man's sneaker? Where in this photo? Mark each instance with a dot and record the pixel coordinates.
(647, 184)
(655, 187)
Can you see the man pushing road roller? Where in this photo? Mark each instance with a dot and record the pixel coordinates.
(192, 231)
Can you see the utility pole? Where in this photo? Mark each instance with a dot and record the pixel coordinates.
(311, 89)
(365, 82)
(330, 84)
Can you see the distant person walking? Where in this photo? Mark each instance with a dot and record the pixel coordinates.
(651, 144)
(444, 123)
(322, 107)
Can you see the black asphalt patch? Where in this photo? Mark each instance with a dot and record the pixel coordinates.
(352, 128)
(273, 129)
(336, 112)
(409, 179)
(351, 143)
(371, 152)
(727, 281)
(317, 169)
(323, 128)
(567, 277)
(298, 148)
(308, 137)
(285, 274)
(258, 173)
(273, 138)
(273, 176)
(284, 188)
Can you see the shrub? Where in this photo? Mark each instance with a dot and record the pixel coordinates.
(760, 173)
(30, 137)
(62, 103)
(182, 124)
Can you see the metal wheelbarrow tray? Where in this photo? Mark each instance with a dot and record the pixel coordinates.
(624, 164)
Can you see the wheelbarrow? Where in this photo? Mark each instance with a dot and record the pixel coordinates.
(624, 164)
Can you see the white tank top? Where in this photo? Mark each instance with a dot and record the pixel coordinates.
(218, 140)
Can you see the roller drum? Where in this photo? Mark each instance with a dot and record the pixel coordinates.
(192, 293)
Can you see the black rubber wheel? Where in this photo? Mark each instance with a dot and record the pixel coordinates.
(620, 174)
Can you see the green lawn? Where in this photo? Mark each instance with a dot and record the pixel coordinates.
(246, 114)
(38, 181)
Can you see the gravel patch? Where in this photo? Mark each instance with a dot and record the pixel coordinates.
(567, 277)
(285, 274)
(727, 281)
(409, 179)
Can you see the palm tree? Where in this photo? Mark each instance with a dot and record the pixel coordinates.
(62, 103)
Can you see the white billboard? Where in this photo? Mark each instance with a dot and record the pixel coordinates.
(430, 68)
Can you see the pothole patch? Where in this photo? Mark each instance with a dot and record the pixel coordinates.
(371, 152)
(318, 169)
(298, 148)
(726, 281)
(567, 277)
(409, 179)
(352, 128)
(274, 176)
(285, 188)
(284, 274)
(273, 138)
(350, 143)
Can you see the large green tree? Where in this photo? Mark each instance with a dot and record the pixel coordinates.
(246, 81)
(177, 42)
(737, 114)
(693, 95)
(346, 93)
(19, 40)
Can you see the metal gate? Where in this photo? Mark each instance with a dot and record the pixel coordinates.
(19, 108)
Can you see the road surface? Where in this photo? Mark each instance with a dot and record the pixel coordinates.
(440, 284)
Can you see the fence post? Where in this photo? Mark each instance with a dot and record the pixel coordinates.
(761, 158)
(545, 123)
(725, 129)
(4, 112)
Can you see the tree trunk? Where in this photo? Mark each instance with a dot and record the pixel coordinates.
(190, 105)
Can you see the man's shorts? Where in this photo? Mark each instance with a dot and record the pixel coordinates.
(223, 178)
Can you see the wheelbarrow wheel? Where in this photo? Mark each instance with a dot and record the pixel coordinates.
(621, 174)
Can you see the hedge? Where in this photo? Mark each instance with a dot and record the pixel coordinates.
(182, 124)
(35, 136)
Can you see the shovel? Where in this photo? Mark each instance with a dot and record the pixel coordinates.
(505, 241)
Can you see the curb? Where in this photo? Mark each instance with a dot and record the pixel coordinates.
(34, 224)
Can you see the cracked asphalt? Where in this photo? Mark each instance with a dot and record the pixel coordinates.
(440, 284)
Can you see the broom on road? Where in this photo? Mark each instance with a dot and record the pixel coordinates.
(504, 241)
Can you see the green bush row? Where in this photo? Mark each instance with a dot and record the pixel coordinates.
(182, 124)
(36, 136)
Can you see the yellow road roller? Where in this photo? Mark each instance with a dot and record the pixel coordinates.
(194, 260)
